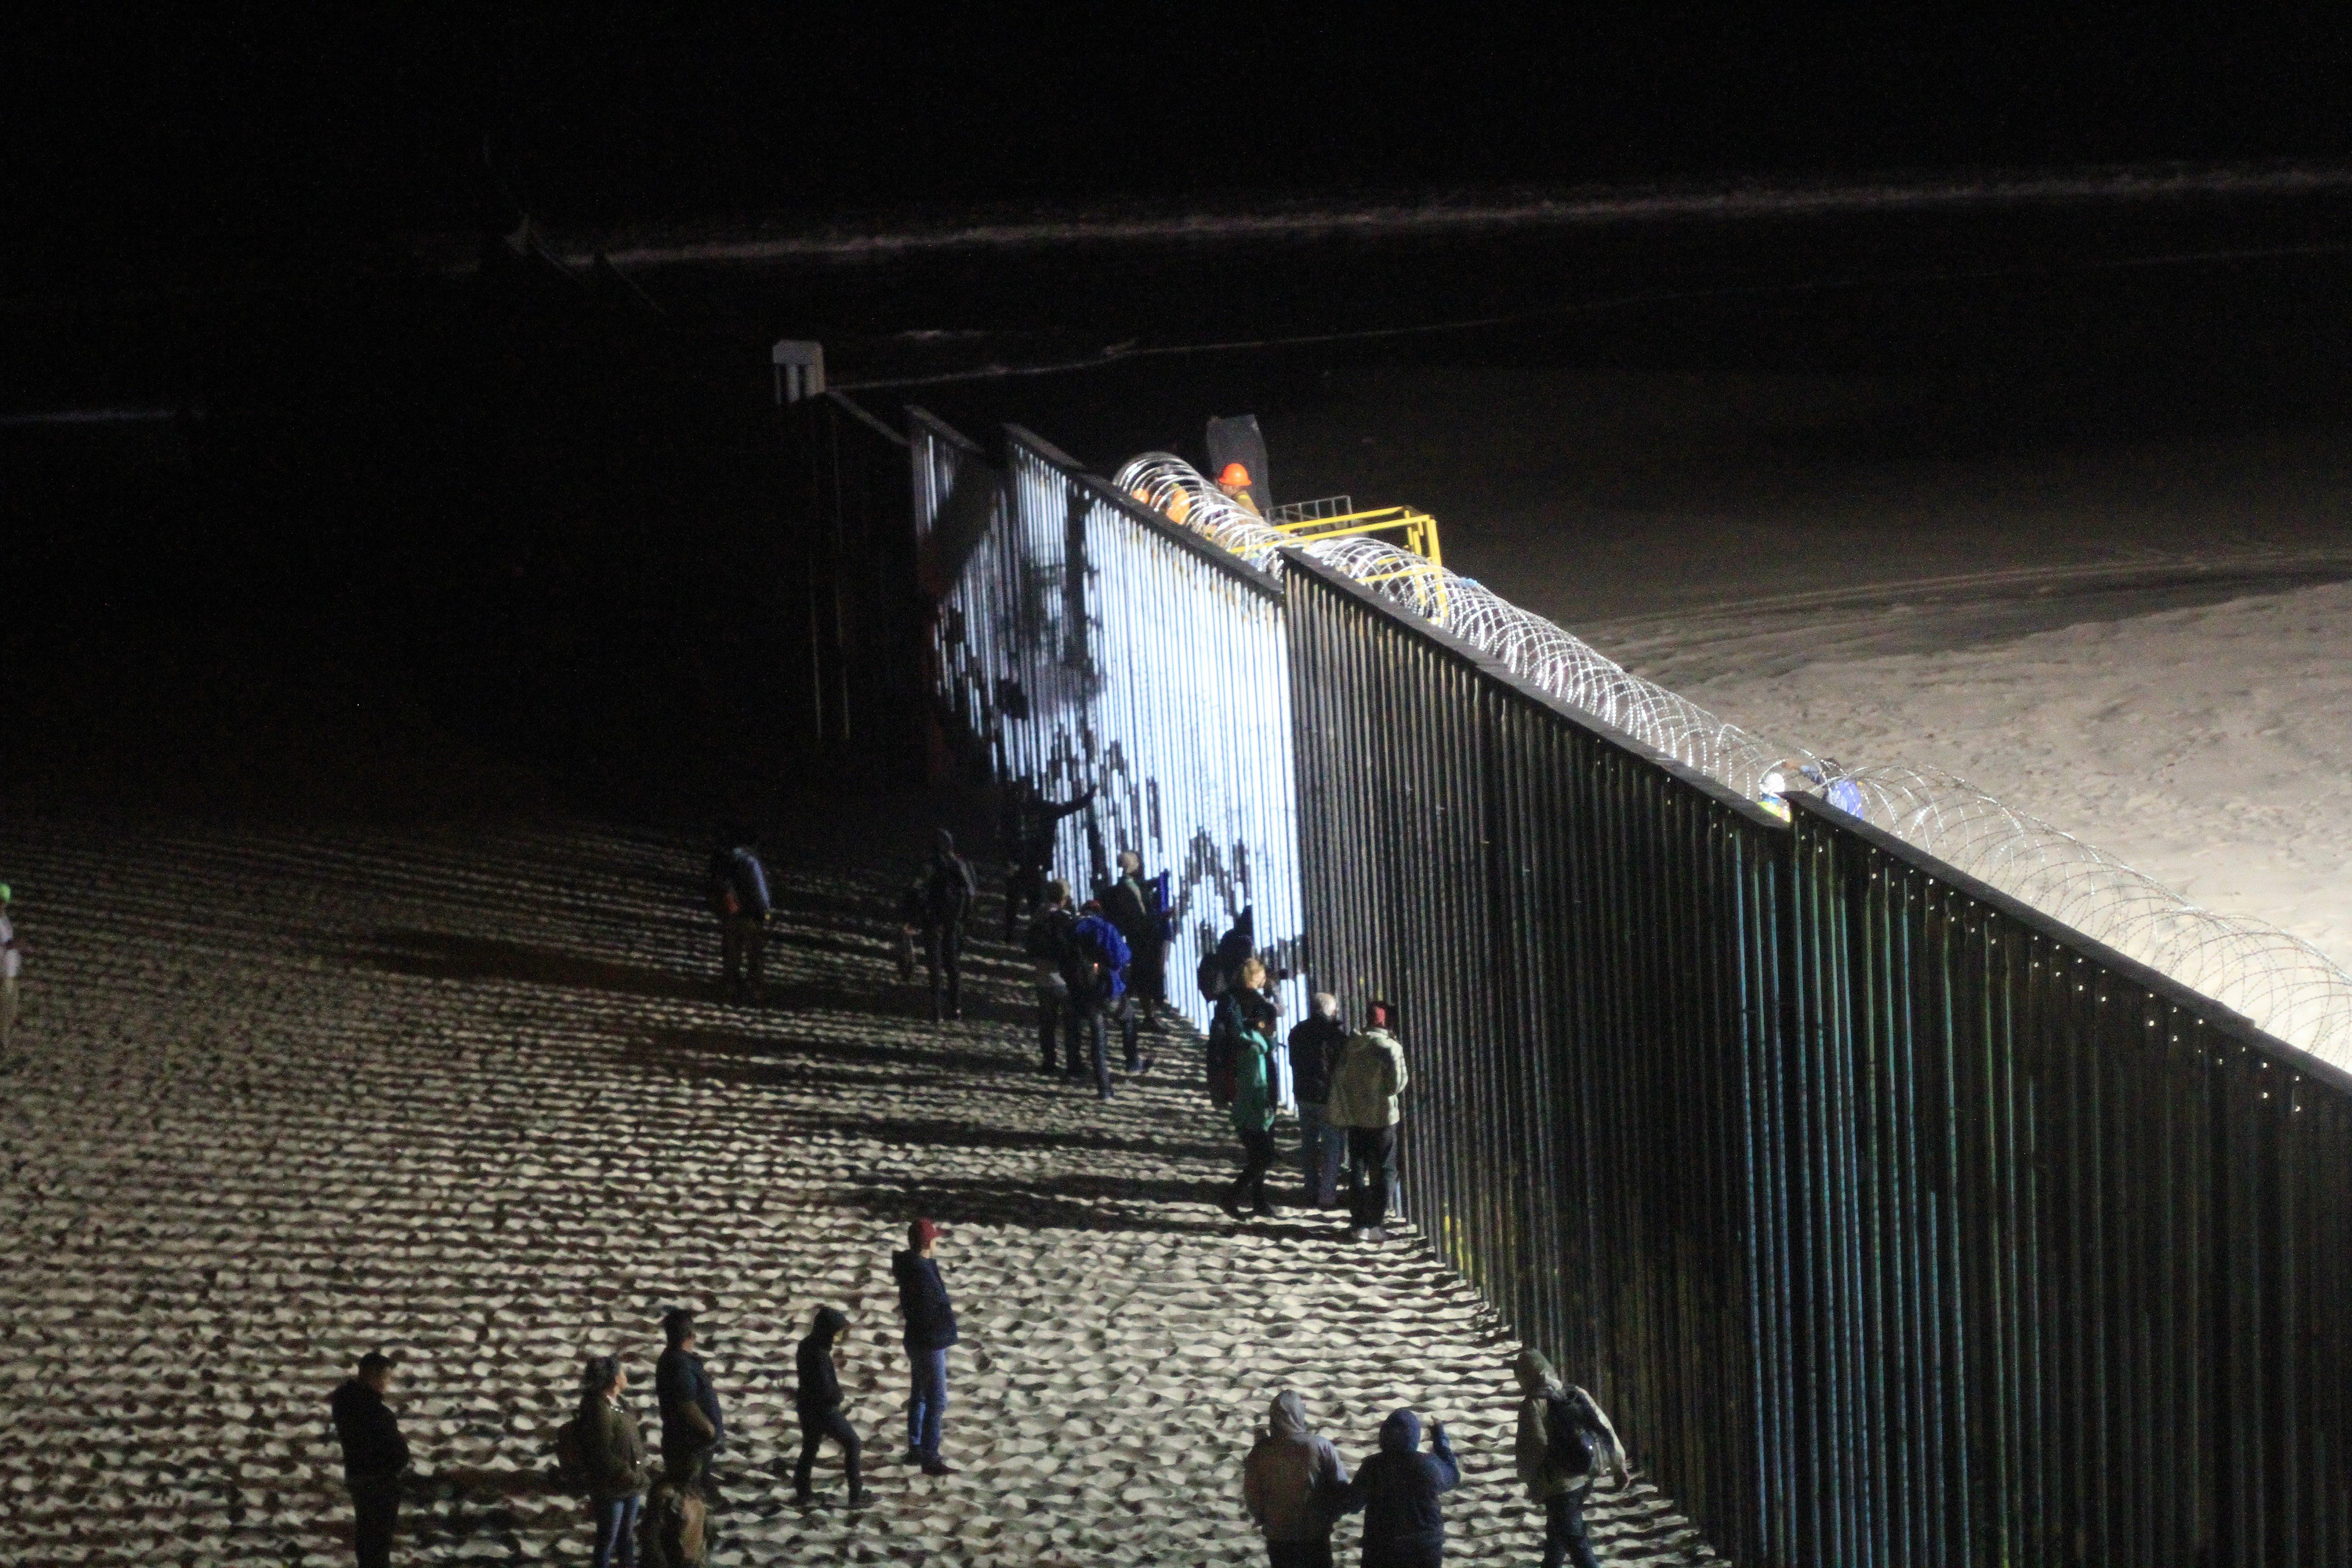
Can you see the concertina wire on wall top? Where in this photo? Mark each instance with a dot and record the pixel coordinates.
(2280, 982)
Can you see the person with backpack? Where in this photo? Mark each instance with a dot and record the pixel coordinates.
(1048, 944)
(1316, 1045)
(1398, 1490)
(738, 889)
(1139, 909)
(931, 1331)
(1027, 828)
(611, 1461)
(1253, 1092)
(816, 1401)
(1096, 972)
(691, 1426)
(675, 1531)
(374, 1455)
(1563, 1438)
(1286, 1481)
(1241, 1002)
(1365, 1089)
(949, 891)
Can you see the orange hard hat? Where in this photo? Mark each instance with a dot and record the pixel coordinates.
(1234, 475)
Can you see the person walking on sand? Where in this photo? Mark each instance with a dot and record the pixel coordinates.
(614, 1457)
(1096, 968)
(737, 888)
(374, 1455)
(1047, 944)
(930, 1330)
(818, 1402)
(1315, 1044)
(11, 964)
(1365, 1090)
(1398, 1488)
(1253, 1121)
(949, 891)
(1563, 1439)
(691, 1426)
(1138, 908)
(1288, 1483)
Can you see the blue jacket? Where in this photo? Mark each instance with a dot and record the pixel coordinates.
(923, 1302)
(1398, 1490)
(1094, 940)
(680, 1384)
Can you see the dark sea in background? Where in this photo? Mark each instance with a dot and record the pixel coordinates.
(501, 482)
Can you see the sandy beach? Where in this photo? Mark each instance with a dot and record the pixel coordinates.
(283, 1096)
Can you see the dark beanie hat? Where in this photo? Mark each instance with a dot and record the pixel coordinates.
(921, 1233)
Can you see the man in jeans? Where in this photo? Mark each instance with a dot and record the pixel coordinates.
(930, 1330)
(691, 1426)
(1562, 1480)
(12, 964)
(1317, 1042)
(1365, 1090)
(1048, 941)
(373, 1455)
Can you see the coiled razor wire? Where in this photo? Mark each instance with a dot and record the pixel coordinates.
(2282, 983)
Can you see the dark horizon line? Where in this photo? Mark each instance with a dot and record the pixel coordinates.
(881, 233)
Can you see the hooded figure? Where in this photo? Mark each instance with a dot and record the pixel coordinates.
(818, 1402)
(1561, 1485)
(1288, 1480)
(1398, 1488)
(948, 891)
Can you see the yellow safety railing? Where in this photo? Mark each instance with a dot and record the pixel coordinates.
(1418, 529)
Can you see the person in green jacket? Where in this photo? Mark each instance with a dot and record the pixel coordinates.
(1252, 1119)
(1365, 1089)
(615, 1457)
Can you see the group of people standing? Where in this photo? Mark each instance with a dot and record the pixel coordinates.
(1296, 1486)
(659, 1518)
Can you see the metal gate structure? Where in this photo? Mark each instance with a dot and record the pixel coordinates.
(1087, 642)
(1897, 1223)
(2078, 1247)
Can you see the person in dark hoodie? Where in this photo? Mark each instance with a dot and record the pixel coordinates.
(817, 1402)
(950, 889)
(1288, 1482)
(373, 1455)
(1398, 1488)
(930, 1330)
(1315, 1044)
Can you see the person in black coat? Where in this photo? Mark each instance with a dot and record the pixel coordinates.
(949, 891)
(1314, 1046)
(373, 1455)
(818, 1402)
(930, 1330)
(1398, 1488)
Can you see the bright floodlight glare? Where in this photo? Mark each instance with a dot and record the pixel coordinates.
(2283, 984)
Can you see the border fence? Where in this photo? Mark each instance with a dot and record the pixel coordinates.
(1896, 1223)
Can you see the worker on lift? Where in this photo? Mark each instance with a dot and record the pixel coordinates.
(1235, 481)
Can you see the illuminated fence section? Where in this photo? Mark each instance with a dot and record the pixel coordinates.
(2067, 1248)
(1089, 643)
(1584, 940)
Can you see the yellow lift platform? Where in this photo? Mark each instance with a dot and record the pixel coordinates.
(1336, 517)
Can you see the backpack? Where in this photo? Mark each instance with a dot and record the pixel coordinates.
(1223, 1055)
(1568, 1436)
(571, 1455)
(1049, 935)
(670, 1533)
(1210, 977)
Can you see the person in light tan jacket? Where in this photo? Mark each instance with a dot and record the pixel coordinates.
(1366, 1089)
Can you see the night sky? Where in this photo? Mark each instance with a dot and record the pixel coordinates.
(382, 458)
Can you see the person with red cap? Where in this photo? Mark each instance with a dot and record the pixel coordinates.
(1236, 482)
(930, 1330)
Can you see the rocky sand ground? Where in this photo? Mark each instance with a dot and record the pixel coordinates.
(282, 1096)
